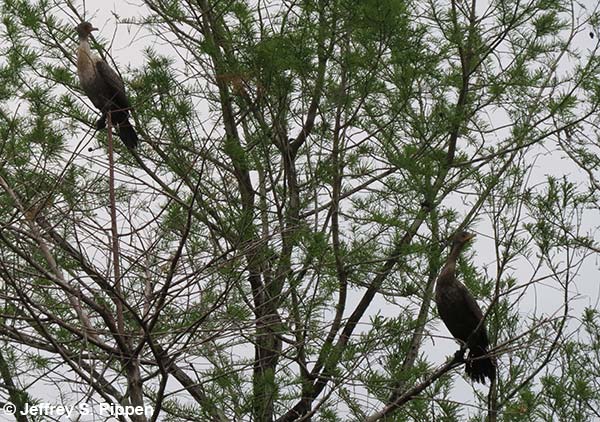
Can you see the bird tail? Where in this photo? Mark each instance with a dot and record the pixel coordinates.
(127, 134)
(480, 365)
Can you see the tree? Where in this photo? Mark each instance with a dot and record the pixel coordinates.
(279, 230)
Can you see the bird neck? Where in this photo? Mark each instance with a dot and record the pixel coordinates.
(455, 252)
(85, 59)
(84, 46)
(447, 274)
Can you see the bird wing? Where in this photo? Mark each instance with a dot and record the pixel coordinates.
(114, 83)
(460, 312)
(475, 314)
(470, 302)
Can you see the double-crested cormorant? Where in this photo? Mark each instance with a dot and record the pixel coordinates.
(461, 314)
(104, 87)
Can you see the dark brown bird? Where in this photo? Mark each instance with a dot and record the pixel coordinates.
(104, 87)
(461, 314)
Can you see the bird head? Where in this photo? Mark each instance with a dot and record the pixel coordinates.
(84, 29)
(461, 238)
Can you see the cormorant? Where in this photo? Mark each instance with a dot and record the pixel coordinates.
(104, 87)
(461, 314)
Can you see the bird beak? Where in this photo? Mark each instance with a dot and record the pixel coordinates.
(94, 29)
(471, 236)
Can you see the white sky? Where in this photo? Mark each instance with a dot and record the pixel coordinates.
(127, 51)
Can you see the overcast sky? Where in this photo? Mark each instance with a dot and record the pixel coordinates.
(127, 47)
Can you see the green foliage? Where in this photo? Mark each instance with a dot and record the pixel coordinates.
(548, 24)
(282, 223)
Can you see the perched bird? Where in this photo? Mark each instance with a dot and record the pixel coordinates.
(104, 87)
(463, 317)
